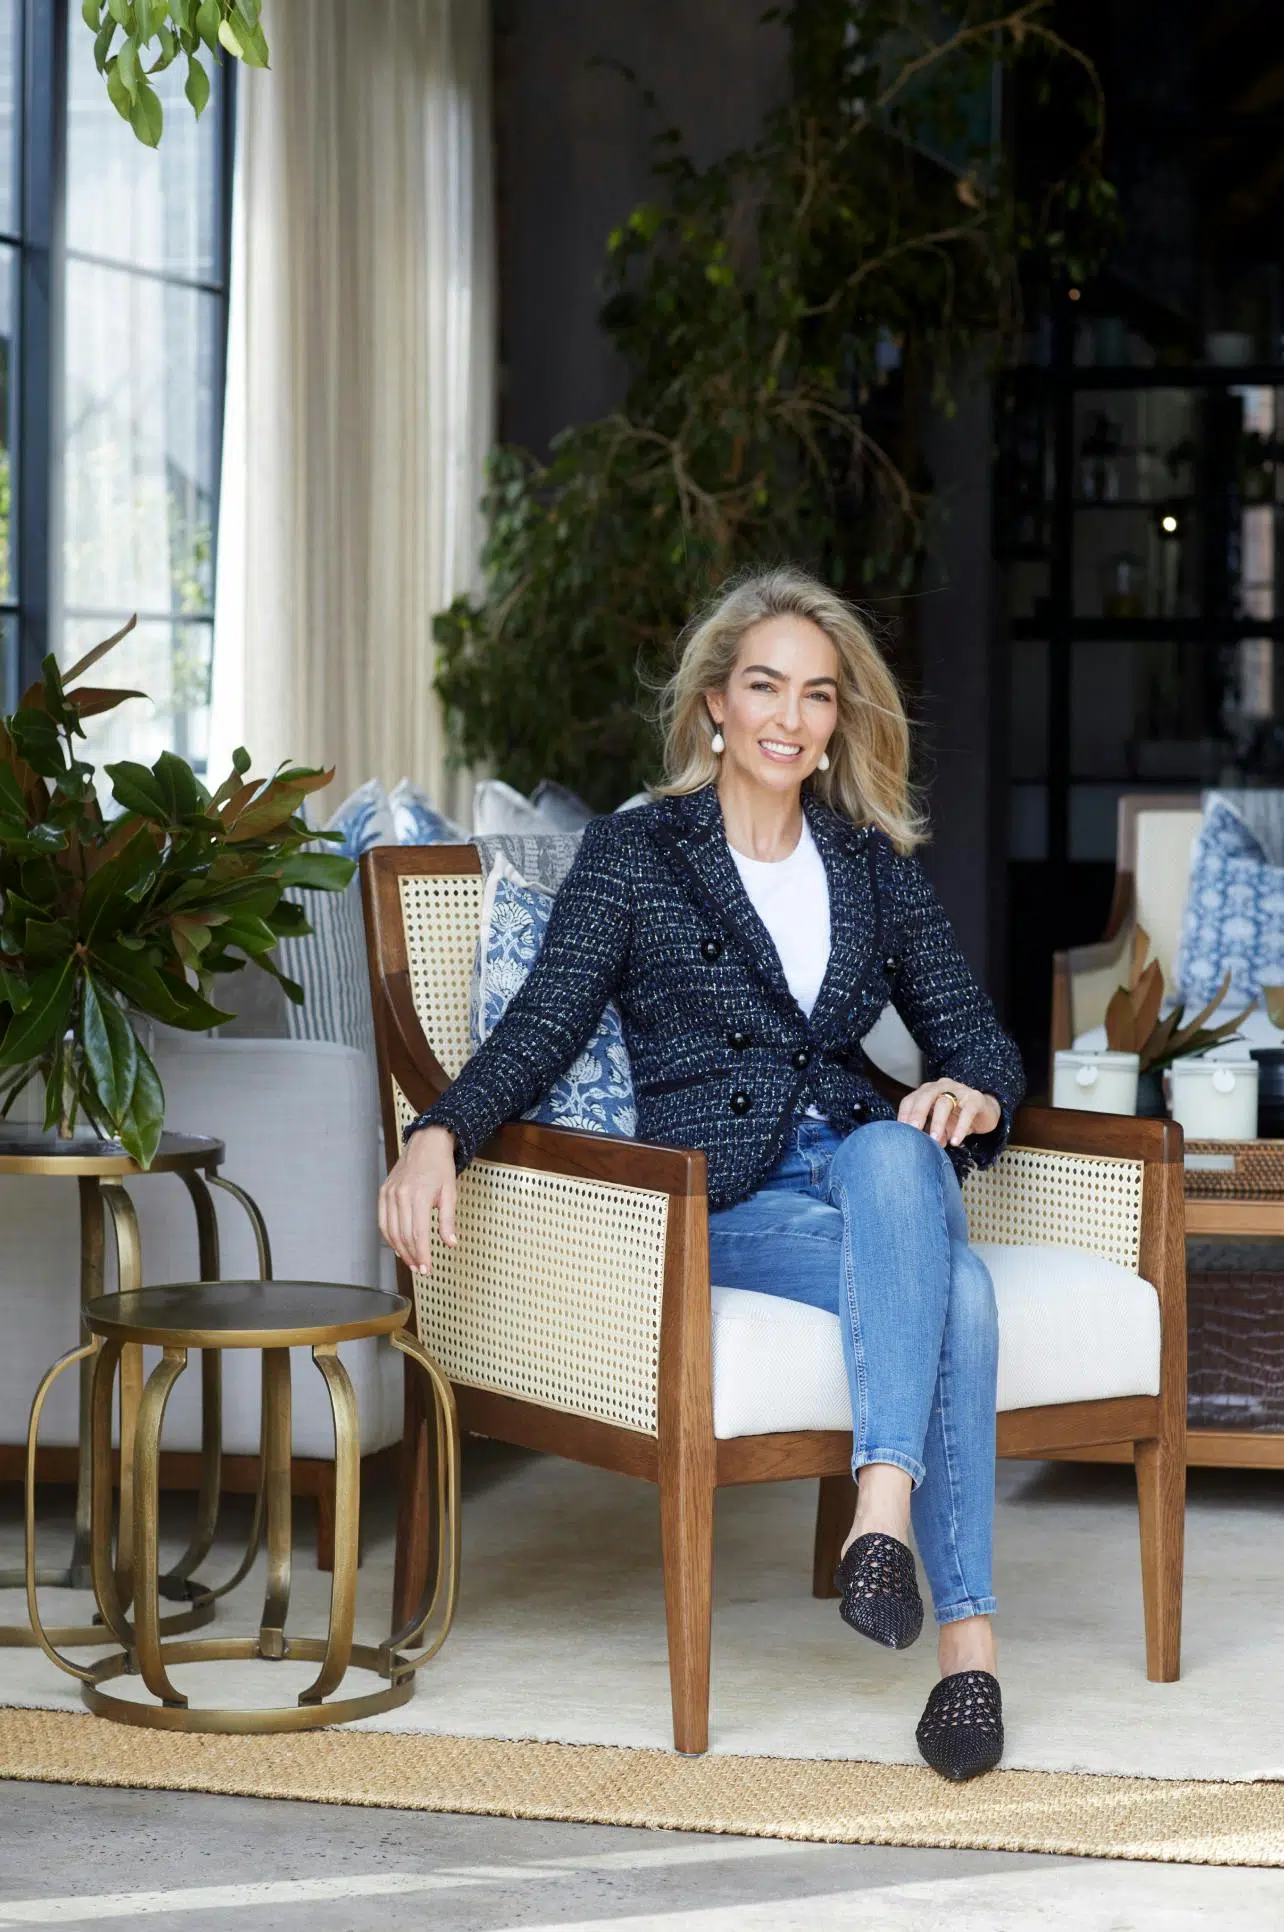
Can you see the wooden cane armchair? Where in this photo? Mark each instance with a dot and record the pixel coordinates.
(574, 1316)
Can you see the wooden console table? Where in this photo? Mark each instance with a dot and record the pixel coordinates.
(1234, 1190)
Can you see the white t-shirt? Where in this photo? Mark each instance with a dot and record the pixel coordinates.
(791, 897)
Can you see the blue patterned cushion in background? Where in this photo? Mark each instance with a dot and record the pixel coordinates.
(416, 820)
(596, 1091)
(1234, 914)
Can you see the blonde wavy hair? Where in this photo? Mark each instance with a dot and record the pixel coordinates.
(869, 752)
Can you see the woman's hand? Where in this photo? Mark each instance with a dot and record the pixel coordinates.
(423, 1179)
(932, 1108)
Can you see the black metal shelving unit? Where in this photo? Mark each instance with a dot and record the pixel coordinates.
(1139, 524)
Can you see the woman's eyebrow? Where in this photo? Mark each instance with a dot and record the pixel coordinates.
(766, 670)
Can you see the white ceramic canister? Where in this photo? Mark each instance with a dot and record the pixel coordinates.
(1214, 1099)
(1096, 1083)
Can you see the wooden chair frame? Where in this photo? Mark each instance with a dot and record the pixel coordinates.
(684, 1459)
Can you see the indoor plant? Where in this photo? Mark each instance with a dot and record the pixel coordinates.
(1133, 1024)
(109, 921)
(134, 39)
(786, 319)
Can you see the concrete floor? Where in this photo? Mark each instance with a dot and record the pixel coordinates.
(78, 1857)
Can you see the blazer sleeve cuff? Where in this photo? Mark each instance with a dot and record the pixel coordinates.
(442, 1114)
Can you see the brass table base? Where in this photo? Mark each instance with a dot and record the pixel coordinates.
(272, 1317)
(279, 1717)
(101, 1169)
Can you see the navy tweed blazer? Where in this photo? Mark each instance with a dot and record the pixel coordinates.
(653, 914)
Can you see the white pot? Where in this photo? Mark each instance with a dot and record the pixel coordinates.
(1096, 1083)
(1214, 1099)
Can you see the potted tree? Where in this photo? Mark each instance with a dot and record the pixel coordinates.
(114, 920)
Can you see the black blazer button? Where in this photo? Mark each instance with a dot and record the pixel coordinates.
(802, 1058)
(889, 966)
(741, 1102)
(712, 949)
(739, 1040)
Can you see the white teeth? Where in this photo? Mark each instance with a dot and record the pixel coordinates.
(789, 751)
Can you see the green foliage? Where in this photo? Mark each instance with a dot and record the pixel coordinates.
(103, 920)
(758, 306)
(134, 39)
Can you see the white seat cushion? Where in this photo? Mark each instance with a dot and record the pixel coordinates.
(1073, 1327)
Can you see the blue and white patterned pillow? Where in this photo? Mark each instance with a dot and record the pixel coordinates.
(1234, 914)
(417, 821)
(596, 1091)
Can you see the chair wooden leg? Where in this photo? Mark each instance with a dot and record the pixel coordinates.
(415, 1514)
(1161, 1505)
(686, 1538)
(835, 1507)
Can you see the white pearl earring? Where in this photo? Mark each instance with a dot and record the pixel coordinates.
(718, 743)
(823, 761)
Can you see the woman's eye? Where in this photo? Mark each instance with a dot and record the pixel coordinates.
(762, 685)
(824, 697)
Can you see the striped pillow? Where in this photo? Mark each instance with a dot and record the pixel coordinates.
(330, 963)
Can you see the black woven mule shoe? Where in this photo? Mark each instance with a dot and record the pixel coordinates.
(961, 1730)
(879, 1591)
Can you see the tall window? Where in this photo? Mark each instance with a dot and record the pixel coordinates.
(137, 254)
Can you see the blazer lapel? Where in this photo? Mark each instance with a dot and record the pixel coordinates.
(848, 857)
(693, 834)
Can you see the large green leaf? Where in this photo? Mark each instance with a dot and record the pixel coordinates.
(207, 24)
(147, 116)
(197, 85)
(42, 1019)
(47, 941)
(161, 996)
(12, 804)
(251, 934)
(141, 1129)
(290, 987)
(138, 790)
(322, 871)
(180, 785)
(111, 1052)
(36, 739)
(111, 896)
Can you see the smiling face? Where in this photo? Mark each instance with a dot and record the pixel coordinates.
(780, 705)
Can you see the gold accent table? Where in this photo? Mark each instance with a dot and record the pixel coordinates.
(101, 1169)
(274, 1317)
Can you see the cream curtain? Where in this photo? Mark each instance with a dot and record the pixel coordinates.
(360, 384)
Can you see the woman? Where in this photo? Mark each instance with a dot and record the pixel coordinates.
(752, 924)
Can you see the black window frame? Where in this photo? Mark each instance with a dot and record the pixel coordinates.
(37, 413)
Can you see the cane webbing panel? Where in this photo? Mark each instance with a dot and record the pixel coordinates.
(440, 913)
(1033, 1196)
(553, 1293)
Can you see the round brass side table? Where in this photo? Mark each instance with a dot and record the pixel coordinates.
(102, 1169)
(273, 1316)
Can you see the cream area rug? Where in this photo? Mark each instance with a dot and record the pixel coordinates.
(560, 1639)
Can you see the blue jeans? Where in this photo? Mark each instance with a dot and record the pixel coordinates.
(872, 1227)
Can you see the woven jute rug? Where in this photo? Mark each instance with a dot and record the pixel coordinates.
(828, 1800)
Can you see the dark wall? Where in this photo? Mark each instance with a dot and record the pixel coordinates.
(573, 159)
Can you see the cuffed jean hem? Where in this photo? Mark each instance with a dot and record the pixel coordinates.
(913, 1468)
(969, 1607)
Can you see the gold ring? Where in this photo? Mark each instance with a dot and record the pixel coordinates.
(946, 1094)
